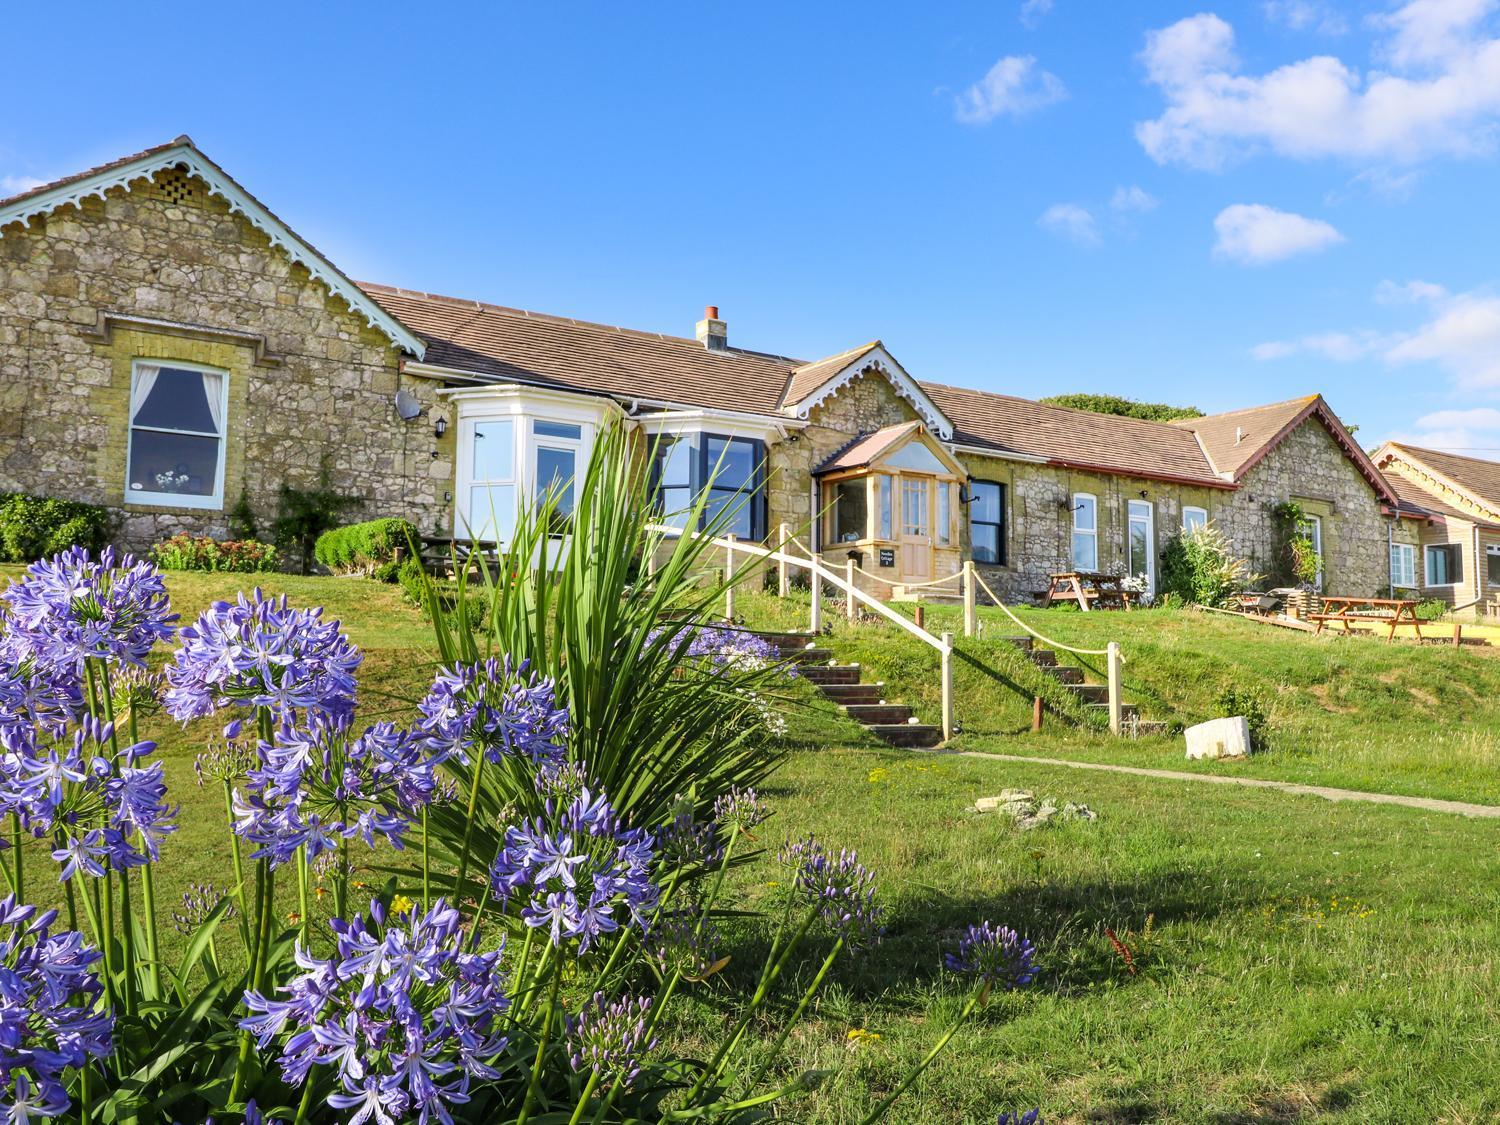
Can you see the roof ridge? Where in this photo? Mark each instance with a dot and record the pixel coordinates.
(858, 349)
(1046, 405)
(1440, 452)
(1301, 400)
(376, 287)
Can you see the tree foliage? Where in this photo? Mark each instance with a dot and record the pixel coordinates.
(1124, 407)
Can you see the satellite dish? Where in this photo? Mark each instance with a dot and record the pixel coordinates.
(407, 406)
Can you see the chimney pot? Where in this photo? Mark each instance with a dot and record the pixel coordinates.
(710, 312)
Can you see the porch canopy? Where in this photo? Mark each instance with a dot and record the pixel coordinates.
(891, 496)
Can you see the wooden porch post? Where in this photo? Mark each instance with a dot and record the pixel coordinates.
(729, 579)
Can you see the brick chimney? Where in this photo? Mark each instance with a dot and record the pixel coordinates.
(713, 333)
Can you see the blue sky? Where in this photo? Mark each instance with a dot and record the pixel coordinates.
(1217, 204)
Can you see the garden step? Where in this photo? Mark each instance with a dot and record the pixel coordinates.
(1128, 711)
(1090, 693)
(877, 714)
(830, 673)
(854, 693)
(807, 655)
(786, 640)
(911, 735)
(1022, 642)
(1043, 657)
(1065, 674)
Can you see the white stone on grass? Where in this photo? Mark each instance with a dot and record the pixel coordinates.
(1219, 738)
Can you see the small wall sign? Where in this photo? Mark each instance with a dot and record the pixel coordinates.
(887, 556)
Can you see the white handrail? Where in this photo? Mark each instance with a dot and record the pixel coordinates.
(1033, 632)
(822, 572)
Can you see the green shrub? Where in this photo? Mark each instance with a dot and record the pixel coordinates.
(200, 552)
(304, 514)
(1199, 567)
(1430, 609)
(366, 548)
(1247, 701)
(35, 527)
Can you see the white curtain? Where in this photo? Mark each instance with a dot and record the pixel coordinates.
(141, 382)
(213, 388)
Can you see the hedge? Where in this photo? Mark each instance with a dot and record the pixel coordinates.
(36, 527)
(365, 548)
(200, 552)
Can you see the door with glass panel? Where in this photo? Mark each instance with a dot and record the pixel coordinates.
(916, 529)
(1140, 543)
(488, 509)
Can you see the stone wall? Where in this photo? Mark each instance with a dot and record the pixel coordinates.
(311, 385)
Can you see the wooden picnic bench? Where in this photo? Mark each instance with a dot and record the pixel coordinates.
(1389, 612)
(1104, 591)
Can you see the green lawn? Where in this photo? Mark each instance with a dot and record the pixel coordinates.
(1304, 960)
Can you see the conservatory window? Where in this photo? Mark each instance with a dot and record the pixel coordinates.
(175, 454)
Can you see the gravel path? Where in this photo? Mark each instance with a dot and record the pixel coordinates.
(1430, 804)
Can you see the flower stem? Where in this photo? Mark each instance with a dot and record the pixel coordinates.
(307, 1093)
(535, 1082)
(148, 906)
(879, 1111)
(15, 843)
(127, 942)
(426, 866)
(583, 1098)
(463, 857)
(239, 864)
(807, 996)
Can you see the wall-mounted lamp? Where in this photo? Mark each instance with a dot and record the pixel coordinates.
(439, 426)
(1144, 494)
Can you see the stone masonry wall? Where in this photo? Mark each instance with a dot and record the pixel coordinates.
(168, 250)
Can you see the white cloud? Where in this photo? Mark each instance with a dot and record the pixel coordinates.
(1338, 347)
(1463, 338)
(1033, 12)
(1408, 292)
(1015, 85)
(1474, 431)
(1133, 199)
(1437, 91)
(1254, 234)
(1306, 15)
(1070, 221)
(15, 185)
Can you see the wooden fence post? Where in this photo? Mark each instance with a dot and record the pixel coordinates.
(729, 579)
(815, 623)
(947, 686)
(783, 572)
(970, 617)
(1112, 658)
(853, 608)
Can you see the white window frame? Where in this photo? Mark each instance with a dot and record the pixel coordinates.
(1092, 533)
(1193, 510)
(1427, 549)
(147, 498)
(1407, 551)
(535, 442)
(1491, 550)
(1312, 527)
(1147, 511)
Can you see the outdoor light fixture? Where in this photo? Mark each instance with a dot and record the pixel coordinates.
(439, 426)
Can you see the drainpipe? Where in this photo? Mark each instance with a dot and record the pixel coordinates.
(1390, 548)
(1478, 581)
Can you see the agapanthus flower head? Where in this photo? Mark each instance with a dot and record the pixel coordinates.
(611, 1038)
(405, 1015)
(314, 786)
(262, 652)
(1030, 1117)
(579, 873)
(37, 701)
(496, 709)
(722, 648)
(842, 889)
(136, 691)
(51, 1018)
(684, 941)
(73, 607)
(564, 782)
(226, 759)
(740, 808)
(996, 955)
(687, 843)
(198, 902)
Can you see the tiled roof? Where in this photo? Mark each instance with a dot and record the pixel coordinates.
(1236, 439)
(1080, 438)
(863, 450)
(808, 377)
(555, 351)
(1479, 478)
(1416, 501)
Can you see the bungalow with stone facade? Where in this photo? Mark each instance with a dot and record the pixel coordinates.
(1450, 506)
(169, 346)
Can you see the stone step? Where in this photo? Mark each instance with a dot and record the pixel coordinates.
(1128, 711)
(1090, 693)
(1043, 657)
(854, 693)
(786, 640)
(1153, 726)
(877, 714)
(1022, 642)
(1065, 674)
(910, 735)
(807, 655)
(822, 674)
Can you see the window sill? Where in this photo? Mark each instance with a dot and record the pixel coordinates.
(173, 500)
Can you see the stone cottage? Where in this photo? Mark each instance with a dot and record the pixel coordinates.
(168, 346)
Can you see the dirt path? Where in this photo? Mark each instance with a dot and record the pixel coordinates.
(1460, 808)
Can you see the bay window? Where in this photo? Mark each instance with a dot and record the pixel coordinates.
(730, 471)
(175, 451)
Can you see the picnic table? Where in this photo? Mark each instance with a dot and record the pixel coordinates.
(1084, 586)
(1389, 612)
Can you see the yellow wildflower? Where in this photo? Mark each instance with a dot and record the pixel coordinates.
(402, 905)
(858, 1035)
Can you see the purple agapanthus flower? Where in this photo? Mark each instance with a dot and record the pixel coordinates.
(996, 955)
(37, 702)
(261, 652)
(1030, 1117)
(579, 873)
(72, 607)
(404, 1015)
(496, 709)
(740, 808)
(841, 887)
(51, 1019)
(723, 648)
(611, 1038)
(312, 787)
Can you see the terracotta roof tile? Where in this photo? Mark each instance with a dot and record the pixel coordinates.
(864, 449)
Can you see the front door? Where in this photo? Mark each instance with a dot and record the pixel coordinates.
(916, 529)
(1140, 544)
(1312, 528)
